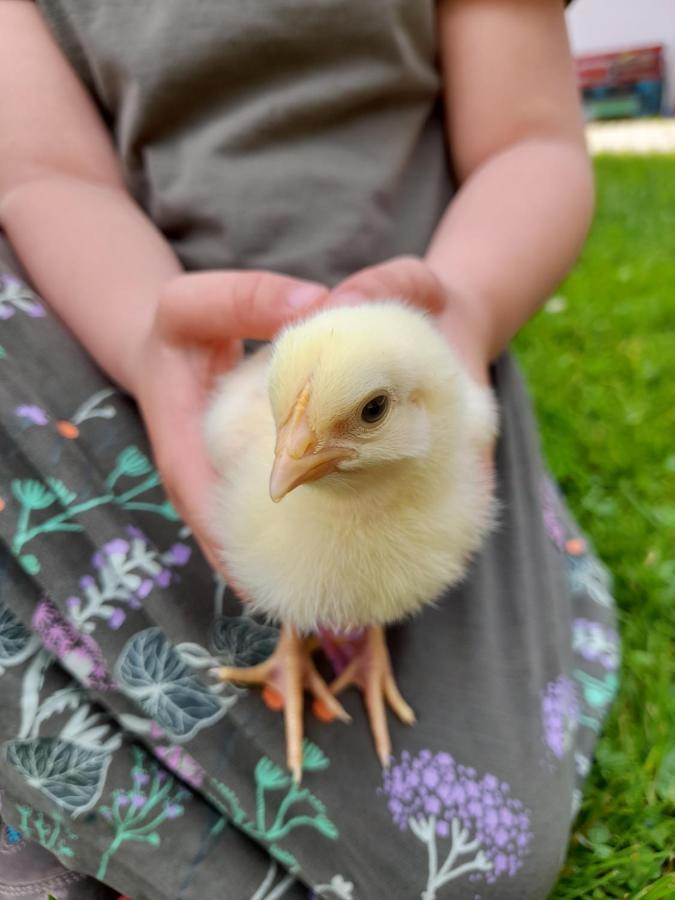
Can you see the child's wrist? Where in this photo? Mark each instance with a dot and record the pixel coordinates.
(467, 326)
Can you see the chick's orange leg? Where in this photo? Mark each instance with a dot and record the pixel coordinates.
(285, 675)
(371, 671)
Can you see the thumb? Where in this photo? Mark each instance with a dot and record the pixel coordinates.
(203, 307)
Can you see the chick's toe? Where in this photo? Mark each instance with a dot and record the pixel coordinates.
(370, 670)
(285, 675)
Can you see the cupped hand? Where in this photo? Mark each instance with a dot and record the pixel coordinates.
(411, 279)
(459, 318)
(197, 332)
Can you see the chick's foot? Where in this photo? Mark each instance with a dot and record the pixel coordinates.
(370, 670)
(285, 675)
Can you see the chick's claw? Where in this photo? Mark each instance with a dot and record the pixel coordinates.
(370, 670)
(287, 673)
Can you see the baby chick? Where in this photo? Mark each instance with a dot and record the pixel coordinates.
(364, 423)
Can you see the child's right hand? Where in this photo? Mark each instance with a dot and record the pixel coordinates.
(196, 333)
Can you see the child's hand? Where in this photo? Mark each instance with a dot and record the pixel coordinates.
(459, 319)
(412, 279)
(197, 331)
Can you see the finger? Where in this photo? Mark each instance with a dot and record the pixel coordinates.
(402, 278)
(204, 307)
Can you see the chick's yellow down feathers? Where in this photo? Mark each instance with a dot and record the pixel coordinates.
(375, 438)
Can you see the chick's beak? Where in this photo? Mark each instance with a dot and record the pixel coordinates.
(297, 457)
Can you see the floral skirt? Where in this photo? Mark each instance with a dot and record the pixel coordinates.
(120, 755)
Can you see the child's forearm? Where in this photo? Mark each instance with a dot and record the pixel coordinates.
(94, 257)
(512, 232)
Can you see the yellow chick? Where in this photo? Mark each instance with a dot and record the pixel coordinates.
(362, 421)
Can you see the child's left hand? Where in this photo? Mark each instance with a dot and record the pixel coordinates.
(410, 278)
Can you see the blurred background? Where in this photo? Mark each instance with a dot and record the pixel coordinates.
(625, 54)
(600, 359)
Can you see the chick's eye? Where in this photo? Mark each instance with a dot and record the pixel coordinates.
(375, 409)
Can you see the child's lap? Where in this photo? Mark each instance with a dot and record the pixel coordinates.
(97, 567)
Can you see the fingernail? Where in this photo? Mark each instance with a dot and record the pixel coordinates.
(304, 295)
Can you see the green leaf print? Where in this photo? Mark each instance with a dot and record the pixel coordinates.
(269, 775)
(70, 774)
(152, 672)
(281, 805)
(314, 759)
(30, 563)
(17, 643)
(132, 463)
(63, 494)
(34, 496)
(135, 814)
(285, 857)
(49, 831)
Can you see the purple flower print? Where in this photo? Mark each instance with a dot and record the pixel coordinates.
(435, 798)
(113, 552)
(181, 763)
(79, 652)
(596, 643)
(140, 779)
(35, 310)
(178, 555)
(144, 588)
(137, 815)
(163, 578)
(559, 713)
(116, 619)
(137, 800)
(116, 547)
(15, 295)
(34, 414)
(126, 571)
(156, 730)
(550, 508)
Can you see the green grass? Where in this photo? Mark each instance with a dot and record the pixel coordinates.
(602, 372)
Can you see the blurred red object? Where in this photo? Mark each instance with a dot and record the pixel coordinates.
(621, 68)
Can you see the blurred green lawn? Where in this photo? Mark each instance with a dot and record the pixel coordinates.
(602, 371)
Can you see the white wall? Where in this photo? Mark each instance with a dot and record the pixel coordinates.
(598, 25)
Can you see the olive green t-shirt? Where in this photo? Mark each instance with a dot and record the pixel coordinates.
(303, 137)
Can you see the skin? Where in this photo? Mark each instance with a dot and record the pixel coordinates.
(508, 237)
